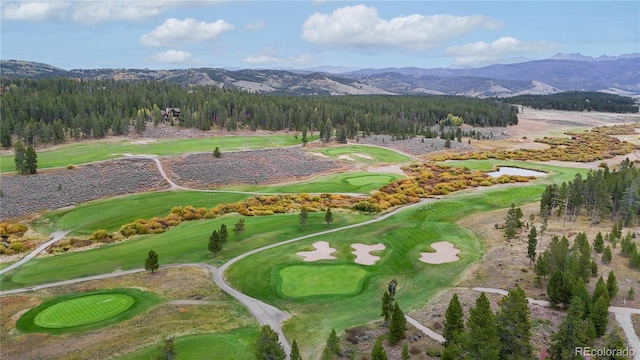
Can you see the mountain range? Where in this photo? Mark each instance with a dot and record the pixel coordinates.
(563, 72)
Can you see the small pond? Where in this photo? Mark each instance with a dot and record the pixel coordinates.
(507, 170)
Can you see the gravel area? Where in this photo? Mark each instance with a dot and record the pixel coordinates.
(245, 167)
(53, 189)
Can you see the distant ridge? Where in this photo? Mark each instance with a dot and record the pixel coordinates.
(563, 72)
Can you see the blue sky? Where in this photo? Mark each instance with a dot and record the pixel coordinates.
(304, 34)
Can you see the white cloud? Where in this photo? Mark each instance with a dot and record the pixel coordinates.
(91, 12)
(172, 57)
(482, 52)
(189, 30)
(94, 11)
(34, 11)
(360, 26)
(256, 25)
(268, 58)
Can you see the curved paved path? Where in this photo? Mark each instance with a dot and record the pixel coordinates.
(57, 236)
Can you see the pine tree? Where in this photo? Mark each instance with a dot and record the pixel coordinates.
(453, 321)
(631, 294)
(378, 353)
(557, 290)
(616, 346)
(405, 352)
(151, 262)
(295, 353)
(481, 339)
(304, 215)
(598, 243)
(238, 228)
(328, 216)
(600, 290)
(304, 136)
(600, 315)
(215, 243)
(268, 345)
(224, 233)
(612, 285)
(532, 244)
(217, 153)
(326, 353)
(514, 326)
(19, 157)
(571, 334)
(513, 222)
(386, 307)
(30, 160)
(541, 267)
(398, 325)
(606, 255)
(333, 342)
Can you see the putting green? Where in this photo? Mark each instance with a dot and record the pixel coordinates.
(308, 280)
(83, 310)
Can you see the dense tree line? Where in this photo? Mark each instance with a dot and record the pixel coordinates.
(604, 193)
(503, 335)
(578, 101)
(50, 110)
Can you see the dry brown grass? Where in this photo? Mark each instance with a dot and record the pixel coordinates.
(222, 314)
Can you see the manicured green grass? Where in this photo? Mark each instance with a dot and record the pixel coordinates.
(352, 182)
(111, 213)
(95, 150)
(78, 312)
(308, 280)
(233, 345)
(404, 235)
(185, 243)
(379, 155)
(83, 310)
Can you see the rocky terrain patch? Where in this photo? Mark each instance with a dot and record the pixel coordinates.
(53, 189)
(245, 167)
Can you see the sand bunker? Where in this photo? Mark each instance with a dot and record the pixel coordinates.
(445, 252)
(393, 169)
(362, 253)
(362, 156)
(322, 252)
(318, 154)
(143, 142)
(346, 157)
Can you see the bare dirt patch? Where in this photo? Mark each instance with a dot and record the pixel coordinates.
(389, 169)
(346, 157)
(445, 252)
(322, 252)
(362, 156)
(363, 253)
(142, 141)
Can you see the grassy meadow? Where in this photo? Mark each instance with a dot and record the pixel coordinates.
(111, 213)
(233, 345)
(89, 151)
(358, 182)
(186, 243)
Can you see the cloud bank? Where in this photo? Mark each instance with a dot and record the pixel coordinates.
(360, 26)
(173, 32)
